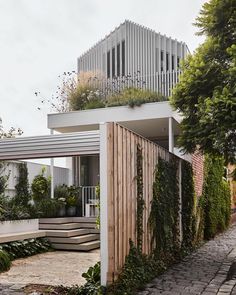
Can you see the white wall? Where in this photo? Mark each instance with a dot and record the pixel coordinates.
(61, 175)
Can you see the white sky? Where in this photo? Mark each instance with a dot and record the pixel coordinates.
(40, 39)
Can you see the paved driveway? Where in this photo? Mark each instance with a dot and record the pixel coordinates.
(202, 272)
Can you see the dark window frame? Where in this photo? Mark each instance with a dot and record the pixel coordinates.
(108, 64)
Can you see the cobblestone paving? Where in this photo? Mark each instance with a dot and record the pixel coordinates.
(202, 272)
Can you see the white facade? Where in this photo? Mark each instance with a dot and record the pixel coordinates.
(135, 50)
(61, 175)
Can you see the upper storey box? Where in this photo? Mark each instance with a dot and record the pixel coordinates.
(139, 52)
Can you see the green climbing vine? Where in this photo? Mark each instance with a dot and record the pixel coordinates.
(164, 213)
(140, 200)
(188, 206)
(216, 197)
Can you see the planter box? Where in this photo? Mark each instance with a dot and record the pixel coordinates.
(18, 226)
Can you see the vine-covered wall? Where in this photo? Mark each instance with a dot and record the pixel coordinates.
(163, 219)
(216, 197)
(188, 205)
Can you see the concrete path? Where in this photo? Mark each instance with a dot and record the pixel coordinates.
(51, 268)
(202, 272)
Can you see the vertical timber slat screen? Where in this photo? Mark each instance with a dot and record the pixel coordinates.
(122, 192)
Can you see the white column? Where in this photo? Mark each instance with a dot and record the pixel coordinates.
(52, 172)
(171, 136)
(180, 202)
(103, 204)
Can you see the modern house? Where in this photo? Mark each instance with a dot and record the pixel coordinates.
(101, 144)
(134, 51)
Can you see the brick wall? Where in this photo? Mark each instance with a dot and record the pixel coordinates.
(198, 172)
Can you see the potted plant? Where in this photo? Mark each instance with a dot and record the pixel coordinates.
(61, 207)
(71, 205)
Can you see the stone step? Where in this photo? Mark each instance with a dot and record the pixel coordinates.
(21, 236)
(85, 219)
(67, 233)
(74, 240)
(66, 226)
(78, 247)
(61, 220)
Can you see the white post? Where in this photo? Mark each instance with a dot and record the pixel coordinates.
(52, 172)
(103, 204)
(180, 201)
(171, 136)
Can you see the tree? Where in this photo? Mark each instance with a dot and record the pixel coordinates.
(22, 187)
(206, 93)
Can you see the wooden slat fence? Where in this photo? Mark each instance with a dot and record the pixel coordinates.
(122, 191)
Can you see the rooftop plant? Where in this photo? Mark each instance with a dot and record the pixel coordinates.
(87, 91)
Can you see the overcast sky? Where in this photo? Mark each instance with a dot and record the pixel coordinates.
(40, 39)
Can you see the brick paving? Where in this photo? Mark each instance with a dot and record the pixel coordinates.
(202, 272)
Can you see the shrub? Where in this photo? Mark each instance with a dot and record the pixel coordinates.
(85, 97)
(22, 187)
(137, 271)
(132, 97)
(5, 262)
(40, 187)
(92, 285)
(61, 191)
(20, 249)
(47, 208)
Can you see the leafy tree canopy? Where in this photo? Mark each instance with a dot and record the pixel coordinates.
(206, 93)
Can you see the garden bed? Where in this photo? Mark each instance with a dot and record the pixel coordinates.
(18, 226)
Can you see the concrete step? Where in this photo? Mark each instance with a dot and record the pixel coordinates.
(21, 236)
(74, 240)
(61, 220)
(56, 220)
(85, 219)
(68, 233)
(66, 226)
(78, 247)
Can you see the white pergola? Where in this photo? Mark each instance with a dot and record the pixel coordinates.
(66, 145)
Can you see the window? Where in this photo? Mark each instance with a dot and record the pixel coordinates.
(123, 57)
(118, 59)
(178, 59)
(108, 64)
(167, 62)
(113, 63)
(162, 61)
(173, 62)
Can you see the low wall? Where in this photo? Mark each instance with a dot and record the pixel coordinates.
(18, 226)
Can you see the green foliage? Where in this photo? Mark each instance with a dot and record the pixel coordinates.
(71, 201)
(216, 197)
(98, 206)
(140, 200)
(20, 249)
(5, 262)
(164, 213)
(132, 97)
(138, 270)
(85, 97)
(61, 191)
(206, 92)
(22, 187)
(92, 285)
(47, 208)
(40, 187)
(188, 206)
